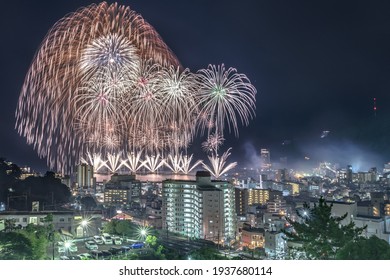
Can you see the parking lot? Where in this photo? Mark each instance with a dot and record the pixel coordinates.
(103, 251)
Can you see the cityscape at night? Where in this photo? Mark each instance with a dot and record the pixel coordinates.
(143, 130)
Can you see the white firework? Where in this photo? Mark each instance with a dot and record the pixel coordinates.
(133, 162)
(153, 163)
(225, 95)
(173, 162)
(94, 160)
(218, 164)
(114, 162)
(213, 142)
(186, 164)
(113, 51)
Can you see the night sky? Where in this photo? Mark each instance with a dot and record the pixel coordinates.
(317, 65)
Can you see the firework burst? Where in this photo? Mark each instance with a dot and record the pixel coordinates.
(213, 142)
(218, 164)
(62, 89)
(224, 95)
(104, 82)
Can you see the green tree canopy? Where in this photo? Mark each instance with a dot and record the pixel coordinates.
(15, 246)
(151, 240)
(124, 227)
(120, 227)
(206, 253)
(39, 238)
(319, 234)
(372, 248)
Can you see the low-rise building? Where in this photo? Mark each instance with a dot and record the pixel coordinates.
(252, 237)
(275, 243)
(68, 222)
(122, 190)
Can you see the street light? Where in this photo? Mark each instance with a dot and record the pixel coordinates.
(84, 225)
(66, 247)
(143, 232)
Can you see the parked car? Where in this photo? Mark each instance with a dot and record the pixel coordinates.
(137, 245)
(67, 246)
(85, 256)
(128, 240)
(98, 239)
(117, 240)
(91, 245)
(107, 239)
(114, 250)
(106, 254)
(125, 249)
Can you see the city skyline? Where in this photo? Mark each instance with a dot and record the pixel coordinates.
(316, 68)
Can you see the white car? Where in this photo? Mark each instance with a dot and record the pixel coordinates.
(98, 239)
(117, 240)
(85, 256)
(67, 246)
(91, 245)
(107, 239)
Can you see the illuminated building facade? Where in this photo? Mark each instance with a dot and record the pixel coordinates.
(122, 190)
(85, 176)
(241, 200)
(203, 208)
(276, 204)
(252, 237)
(258, 196)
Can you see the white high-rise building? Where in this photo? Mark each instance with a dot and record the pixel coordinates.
(265, 159)
(203, 208)
(85, 176)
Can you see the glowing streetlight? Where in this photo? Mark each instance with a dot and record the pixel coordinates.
(143, 232)
(85, 224)
(67, 244)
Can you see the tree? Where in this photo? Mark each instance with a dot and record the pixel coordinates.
(206, 253)
(9, 225)
(48, 190)
(15, 246)
(372, 248)
(320, 235)
(110, 227)
(151, 240)
(39, 238)
(88, 203)
(124, 227)
(9, 174)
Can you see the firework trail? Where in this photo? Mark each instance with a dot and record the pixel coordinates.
(153, 163)
(173, 162)
(94, 160)
(133, 162)
(186, 164)
(218, 164)
(114, 162)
